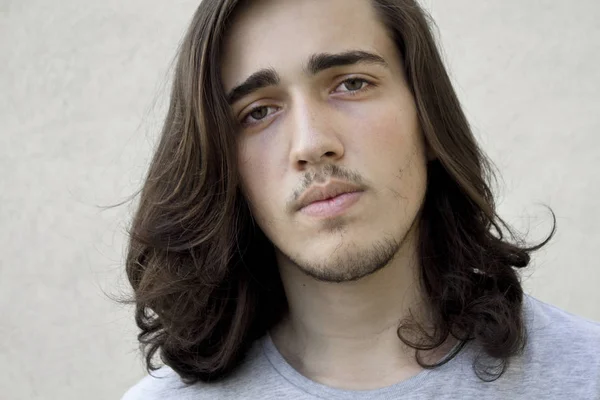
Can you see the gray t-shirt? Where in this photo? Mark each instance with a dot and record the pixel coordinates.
(561, 361)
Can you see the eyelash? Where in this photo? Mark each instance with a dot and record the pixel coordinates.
(369, 85)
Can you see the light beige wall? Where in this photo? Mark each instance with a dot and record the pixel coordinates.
(78, 120)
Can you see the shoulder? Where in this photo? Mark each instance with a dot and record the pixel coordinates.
(555, 333)
(545, 319)
(166, 384)
(161, 384)
(560, 359)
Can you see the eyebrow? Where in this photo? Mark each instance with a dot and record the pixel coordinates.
(258, 80)
(323, 61)
(316, 63)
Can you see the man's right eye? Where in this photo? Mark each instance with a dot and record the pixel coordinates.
(257, 114)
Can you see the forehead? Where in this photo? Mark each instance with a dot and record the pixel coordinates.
(283, 34)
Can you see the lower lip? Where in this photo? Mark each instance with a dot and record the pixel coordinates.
(331, 207)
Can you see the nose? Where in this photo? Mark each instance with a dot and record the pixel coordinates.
(314, 139)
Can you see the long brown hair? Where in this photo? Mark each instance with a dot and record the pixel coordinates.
(204, 276)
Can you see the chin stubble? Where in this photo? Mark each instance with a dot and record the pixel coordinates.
(350, 265)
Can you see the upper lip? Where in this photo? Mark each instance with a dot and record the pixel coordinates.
(328, 191)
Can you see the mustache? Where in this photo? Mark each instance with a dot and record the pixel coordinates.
(328, 171)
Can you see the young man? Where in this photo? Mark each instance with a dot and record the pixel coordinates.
(317, 223)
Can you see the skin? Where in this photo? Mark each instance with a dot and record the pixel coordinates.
(349, 279)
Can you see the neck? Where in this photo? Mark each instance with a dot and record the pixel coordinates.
(345, 334)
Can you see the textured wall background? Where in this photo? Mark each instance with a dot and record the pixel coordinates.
(82, 93)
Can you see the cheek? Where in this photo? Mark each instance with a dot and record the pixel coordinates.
(257, 173)
(391, 149)
(251, 171)
(387, 131)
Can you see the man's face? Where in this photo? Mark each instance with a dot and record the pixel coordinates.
(330, 121)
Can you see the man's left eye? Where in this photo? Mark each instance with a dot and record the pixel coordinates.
(353, 85)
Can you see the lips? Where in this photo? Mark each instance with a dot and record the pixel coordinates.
(328, 191)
